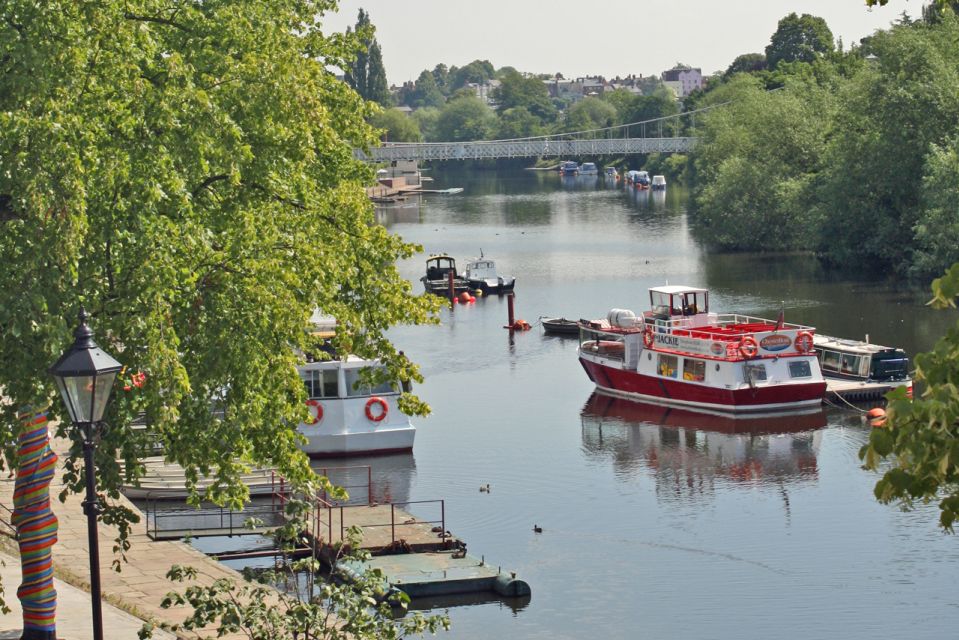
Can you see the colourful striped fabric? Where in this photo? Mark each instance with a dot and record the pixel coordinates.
(36, 525)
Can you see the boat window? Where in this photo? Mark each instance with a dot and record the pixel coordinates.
(694, 370)
(800, 369)
(754, 372)
(363, 389)
(829, 360)
(850, 364)
(320, 383)
(667, 365)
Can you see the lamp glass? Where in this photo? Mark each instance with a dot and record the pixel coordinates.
(86, 397)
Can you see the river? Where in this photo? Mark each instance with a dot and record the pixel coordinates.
(655, 524)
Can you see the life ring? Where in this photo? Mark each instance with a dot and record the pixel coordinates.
(315, 404)
(804, 342)
(648, 337)
(748, 347)
(369, 409)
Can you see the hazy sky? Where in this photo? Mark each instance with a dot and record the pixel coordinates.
(585, 37)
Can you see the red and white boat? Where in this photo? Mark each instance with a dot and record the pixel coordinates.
(680, 353)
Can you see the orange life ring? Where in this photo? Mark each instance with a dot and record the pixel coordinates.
(748, 347)
(648, 337)
(369, 409)
(319, 410)
(804, 342)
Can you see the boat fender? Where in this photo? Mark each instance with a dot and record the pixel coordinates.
(804, 342)
(748, 347)
(384, 409)
(509, 586)
(316, 410)
(648, 337)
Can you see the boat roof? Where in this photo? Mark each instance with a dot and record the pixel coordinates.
(850, 346)
(439, 256)
(674, 289)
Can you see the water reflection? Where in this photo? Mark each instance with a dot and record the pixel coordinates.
(688, 452)
(371, 479)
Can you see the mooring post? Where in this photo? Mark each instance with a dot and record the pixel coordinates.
(449, 279)
(509, 310)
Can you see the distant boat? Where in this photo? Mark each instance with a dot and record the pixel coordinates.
(862, 361)
(588, 169)
(437, 276)
(612, 174)
(569, 168)
(659, 183)
(481, 274)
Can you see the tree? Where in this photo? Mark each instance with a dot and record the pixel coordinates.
(426, 119)
(799, 38)
(936, 231)
(476, 72)
(397, 126)
(518, 123)
(746, 63)
(530, 93)
(442, 77)
(465, 118)
(200, 208)
(921, 436)
(590, 113)
(366, 73)
(426, 93)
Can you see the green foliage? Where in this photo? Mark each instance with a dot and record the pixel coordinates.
(757, 164)
(921, 436)
(305, 604)
(426, 93)
(190, 179)
(397, 126)
(590, 113)
(477, 72)
(798, 38)
(530, 93)
(892, 114)
(746, 63)
(518, 122)
(464, 118)
(426, 119)
(365, 73)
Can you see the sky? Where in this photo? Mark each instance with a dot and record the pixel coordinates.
(584, 37)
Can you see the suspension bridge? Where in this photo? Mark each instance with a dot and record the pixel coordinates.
(647, 136)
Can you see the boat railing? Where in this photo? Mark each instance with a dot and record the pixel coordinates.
(602, 343)
(733, 325)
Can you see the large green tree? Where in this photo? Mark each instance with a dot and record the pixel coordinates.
(189, 180)
(798, 38)
(516, 90)
(396, 126)
(465, 118)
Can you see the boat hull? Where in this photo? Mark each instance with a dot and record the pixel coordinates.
(493, 287)
(632, 384)
(381, 441)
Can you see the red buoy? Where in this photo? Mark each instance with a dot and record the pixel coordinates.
(465, 297)
(877, 416)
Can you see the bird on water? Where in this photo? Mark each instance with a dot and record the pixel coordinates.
(537, 528)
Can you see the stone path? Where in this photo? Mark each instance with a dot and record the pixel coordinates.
(141, 584)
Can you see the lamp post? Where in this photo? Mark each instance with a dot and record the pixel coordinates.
(85, 375)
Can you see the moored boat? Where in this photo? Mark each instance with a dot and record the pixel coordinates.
(481, 275)
(437, 278)
(863, 361)
(560, 326)
(612, 174)
(569, 168)
(588, 169)
(680, 353)
(349, 416)
(658, 183)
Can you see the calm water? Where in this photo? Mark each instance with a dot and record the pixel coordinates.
(657, 523)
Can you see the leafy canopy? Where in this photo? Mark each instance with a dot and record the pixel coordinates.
(187, 174)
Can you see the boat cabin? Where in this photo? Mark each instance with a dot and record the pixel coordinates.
(480, 269)
(671, 301)
(437, 267)
(857, 360)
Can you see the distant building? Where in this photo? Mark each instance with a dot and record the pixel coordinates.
(484, 91)
(683, 80)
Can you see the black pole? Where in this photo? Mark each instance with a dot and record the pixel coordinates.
(91, 507)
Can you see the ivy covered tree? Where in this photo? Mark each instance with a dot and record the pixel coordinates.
(190, 181)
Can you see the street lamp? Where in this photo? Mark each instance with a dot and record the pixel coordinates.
(85, 375)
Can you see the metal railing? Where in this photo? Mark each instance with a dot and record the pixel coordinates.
(6, 520)
(209, 520)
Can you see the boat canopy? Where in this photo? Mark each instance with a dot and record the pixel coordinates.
(678, 300)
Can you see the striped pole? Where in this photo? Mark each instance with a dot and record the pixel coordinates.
(36, 526)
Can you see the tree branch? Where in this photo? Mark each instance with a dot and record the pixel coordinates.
(158, 20)
(206, 183)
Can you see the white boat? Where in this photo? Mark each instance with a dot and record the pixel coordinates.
(349, 417)
(588, 169)
(679, 353)
(659, 183)
(481, 275)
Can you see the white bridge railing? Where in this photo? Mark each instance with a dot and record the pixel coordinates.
(530, 148)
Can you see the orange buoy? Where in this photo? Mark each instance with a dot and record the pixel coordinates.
(521, 325)
(464, 297)
(877, 416)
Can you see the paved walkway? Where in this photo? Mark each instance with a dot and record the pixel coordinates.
(141, 584)
(73, 610)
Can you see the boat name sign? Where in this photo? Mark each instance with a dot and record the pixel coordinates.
(689, 345)
(775, 342)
